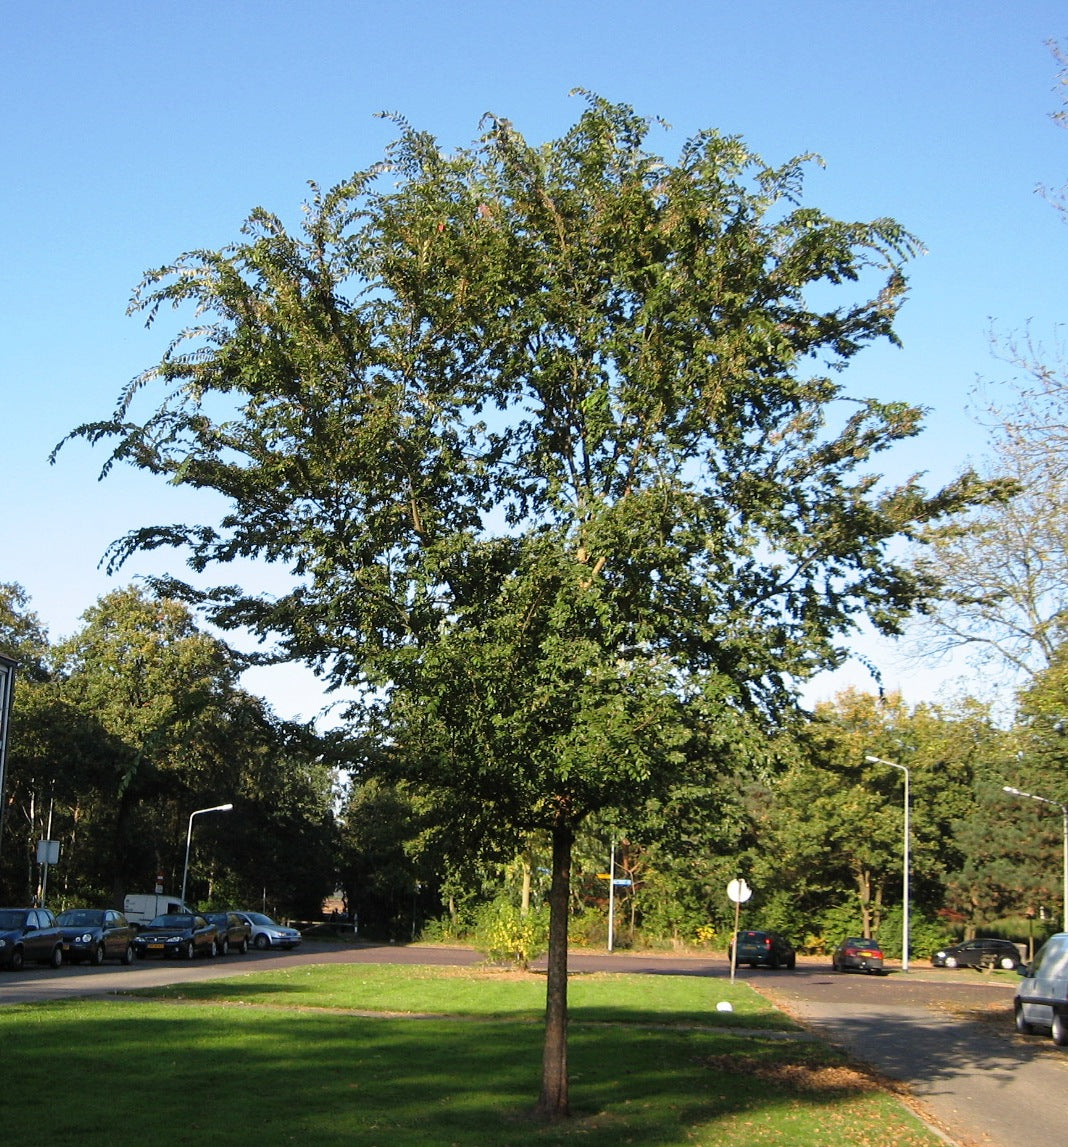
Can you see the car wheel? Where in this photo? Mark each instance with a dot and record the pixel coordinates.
(97, 957)
(792, 962)
(1059, 1029)
(18, 960)
(56, 959)
(128, 955)
(224, 947)
(1022, 1026)
(190, 950)
(263, 942)
(951, 961)
(243, 946)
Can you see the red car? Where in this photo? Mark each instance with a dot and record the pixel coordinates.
(859, 954)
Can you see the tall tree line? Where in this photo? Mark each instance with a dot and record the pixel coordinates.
(120, 731)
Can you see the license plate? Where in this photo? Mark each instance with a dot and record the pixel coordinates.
(867, 953)
(155, 947)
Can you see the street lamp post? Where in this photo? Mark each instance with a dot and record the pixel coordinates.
(189, 837)
(905, 868)
(1064, 813)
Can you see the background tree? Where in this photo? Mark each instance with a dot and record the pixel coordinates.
(829, 853)
(1023, 839)
(1004, 569)
(163, 728)
(380, 860)
(552, 440)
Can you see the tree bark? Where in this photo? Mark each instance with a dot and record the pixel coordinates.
(554, 1102)
(864, 895)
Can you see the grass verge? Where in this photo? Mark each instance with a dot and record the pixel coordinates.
(295, 1056)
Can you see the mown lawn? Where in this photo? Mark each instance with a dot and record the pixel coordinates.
(374, 1056)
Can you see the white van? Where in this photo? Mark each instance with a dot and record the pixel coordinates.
(142, 907)
(1042, 995)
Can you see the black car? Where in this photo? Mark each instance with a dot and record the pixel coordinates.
(235, 932)
(984, 952)
(767, 949)
(29, 934)
(96, 935)
(179, 934)
(859, 953)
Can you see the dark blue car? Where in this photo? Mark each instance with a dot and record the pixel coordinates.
(29, 934)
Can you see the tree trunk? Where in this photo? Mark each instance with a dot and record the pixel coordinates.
(554, 1103)
(864, 895)
(877, 912)
(524, 903)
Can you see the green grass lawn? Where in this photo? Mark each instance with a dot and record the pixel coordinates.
(452, 1057)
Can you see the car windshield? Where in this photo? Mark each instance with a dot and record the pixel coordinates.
(12, 918)
(259, 918)
(172, 921)
(80, 918)
(861, 942)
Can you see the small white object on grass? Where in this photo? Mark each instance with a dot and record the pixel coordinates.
(724, 1006)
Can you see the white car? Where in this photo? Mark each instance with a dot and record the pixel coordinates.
(266, 933)
(1042, 995)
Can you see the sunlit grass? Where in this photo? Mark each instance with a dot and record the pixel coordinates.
(288, 1057)
(407, 989)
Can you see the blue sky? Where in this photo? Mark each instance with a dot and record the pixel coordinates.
(135, 131)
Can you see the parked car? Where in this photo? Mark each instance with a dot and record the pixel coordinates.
(29, 934)
(1041, 999)
(178, 934)
(96, 935)
(267, 934)
(769, 949)
(235, 932)
(860, 953)
(984, 952)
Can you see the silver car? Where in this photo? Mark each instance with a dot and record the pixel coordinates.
(266, 933)
(1042, 994)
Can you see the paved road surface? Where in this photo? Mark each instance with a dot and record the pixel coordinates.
(953, 1044)
(947, 1035)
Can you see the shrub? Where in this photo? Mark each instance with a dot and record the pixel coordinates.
(589, 929)
(505, 935)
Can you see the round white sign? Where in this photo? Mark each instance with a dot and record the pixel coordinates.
(739, 891)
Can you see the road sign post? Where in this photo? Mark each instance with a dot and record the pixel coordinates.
(739, 892)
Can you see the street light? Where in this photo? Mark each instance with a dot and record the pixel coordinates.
(905, 869)
(189, 837)
(1064, 813)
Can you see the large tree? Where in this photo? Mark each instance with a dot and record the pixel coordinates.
(554, 441)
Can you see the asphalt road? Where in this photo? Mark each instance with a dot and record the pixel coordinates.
(949, 1038)
(946, 1035)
